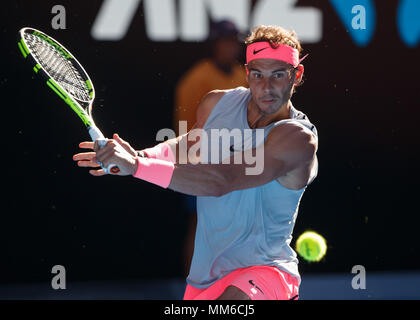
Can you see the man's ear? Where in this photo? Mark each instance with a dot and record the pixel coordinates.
(299, 74)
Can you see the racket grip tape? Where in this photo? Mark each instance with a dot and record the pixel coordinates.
(96, 134)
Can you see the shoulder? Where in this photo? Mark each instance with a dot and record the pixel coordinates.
(291, 126)
(292, 139)
(207, 104)
(210, 100)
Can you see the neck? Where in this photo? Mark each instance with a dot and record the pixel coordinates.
(258, 119)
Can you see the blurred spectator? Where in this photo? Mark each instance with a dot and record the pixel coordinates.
(220, 71)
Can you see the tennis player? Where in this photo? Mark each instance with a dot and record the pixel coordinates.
(245, 222)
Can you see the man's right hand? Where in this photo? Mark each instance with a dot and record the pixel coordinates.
(88, 159)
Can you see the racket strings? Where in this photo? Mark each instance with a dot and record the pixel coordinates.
(58, 67)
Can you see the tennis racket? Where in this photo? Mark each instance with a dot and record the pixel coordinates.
(65, 76)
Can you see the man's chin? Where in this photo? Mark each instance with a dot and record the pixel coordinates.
(269, 106)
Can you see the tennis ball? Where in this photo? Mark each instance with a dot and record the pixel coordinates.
(311, 246)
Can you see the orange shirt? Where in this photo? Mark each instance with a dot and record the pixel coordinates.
(198, 81)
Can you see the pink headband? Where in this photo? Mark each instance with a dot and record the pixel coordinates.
(263, 50)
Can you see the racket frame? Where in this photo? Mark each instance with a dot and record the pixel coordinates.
(85, 114)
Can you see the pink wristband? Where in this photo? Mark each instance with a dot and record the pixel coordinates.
(155, 171)
(161, 151)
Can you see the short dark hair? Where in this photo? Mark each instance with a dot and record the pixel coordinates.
(275, 35)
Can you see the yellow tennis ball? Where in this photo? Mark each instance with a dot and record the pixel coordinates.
(311, 246)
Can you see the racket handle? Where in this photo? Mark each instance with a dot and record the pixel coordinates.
(111, 168)
(96, 134)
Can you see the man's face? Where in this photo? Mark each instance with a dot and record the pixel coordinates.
(271, 84)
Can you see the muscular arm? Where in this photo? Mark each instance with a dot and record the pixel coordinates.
(286, 148)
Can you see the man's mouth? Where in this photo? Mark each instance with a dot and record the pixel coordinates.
(267, 100)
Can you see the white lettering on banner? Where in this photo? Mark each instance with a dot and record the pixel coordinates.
(115, 17)
(194, 16)
(160, 20)
(307, 22)
(191, 26)
(237, 11)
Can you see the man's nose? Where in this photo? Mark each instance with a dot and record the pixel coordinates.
(266, 84)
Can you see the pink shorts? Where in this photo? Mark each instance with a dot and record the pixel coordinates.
(258, 282)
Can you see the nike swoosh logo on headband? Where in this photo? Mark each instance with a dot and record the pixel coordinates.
(255, 52)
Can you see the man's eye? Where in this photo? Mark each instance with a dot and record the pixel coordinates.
(256, 75)
(279, 75)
